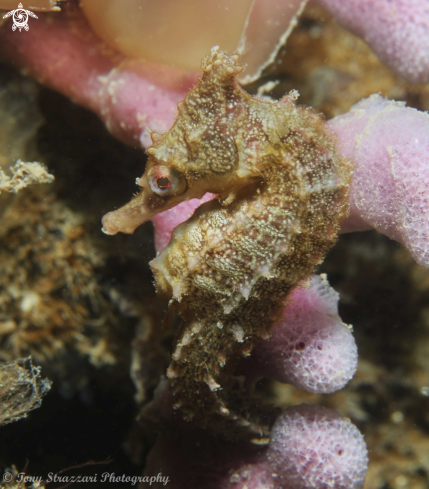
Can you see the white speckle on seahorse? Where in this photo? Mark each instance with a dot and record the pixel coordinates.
(238, 333)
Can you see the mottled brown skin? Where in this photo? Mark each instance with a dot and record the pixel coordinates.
(228, 270)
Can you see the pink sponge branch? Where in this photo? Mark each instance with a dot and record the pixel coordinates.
(166, 221)
(397, 30)
(314, 447)
(389, 144)
(62, 52)
(311, 447)
(310, 347)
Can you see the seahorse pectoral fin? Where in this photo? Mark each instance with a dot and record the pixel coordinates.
(228, 199)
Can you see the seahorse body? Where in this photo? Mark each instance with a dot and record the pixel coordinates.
(283, 192)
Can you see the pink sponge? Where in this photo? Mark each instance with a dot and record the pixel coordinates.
(397, 30)
(166, 221)
(314, 447)
(311, 447)
(390, 188)
(310, 347)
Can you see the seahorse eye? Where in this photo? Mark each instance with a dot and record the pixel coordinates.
(163, 181)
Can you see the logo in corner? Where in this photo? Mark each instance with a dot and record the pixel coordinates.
(20, 18)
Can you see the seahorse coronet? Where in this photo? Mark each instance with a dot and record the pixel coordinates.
(283, 193)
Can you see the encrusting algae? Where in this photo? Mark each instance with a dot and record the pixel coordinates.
(283, 192)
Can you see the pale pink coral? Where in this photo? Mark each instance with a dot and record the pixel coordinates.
(390, 188)
(310, 347)
(311, 447)
(62, 52)
(166, 221)
(397, 30)
(315, 447)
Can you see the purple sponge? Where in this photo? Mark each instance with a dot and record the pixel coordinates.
(310, 347)
(390, 188)
(314, 447)
(311, 447)
(397, 30)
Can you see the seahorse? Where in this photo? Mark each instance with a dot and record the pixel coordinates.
(282, 191)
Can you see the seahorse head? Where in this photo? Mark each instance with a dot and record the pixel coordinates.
(202, 152)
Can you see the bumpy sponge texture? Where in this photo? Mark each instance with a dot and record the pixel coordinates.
(310, 347)
(390, 188)
(397, 30)
(314, 447)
